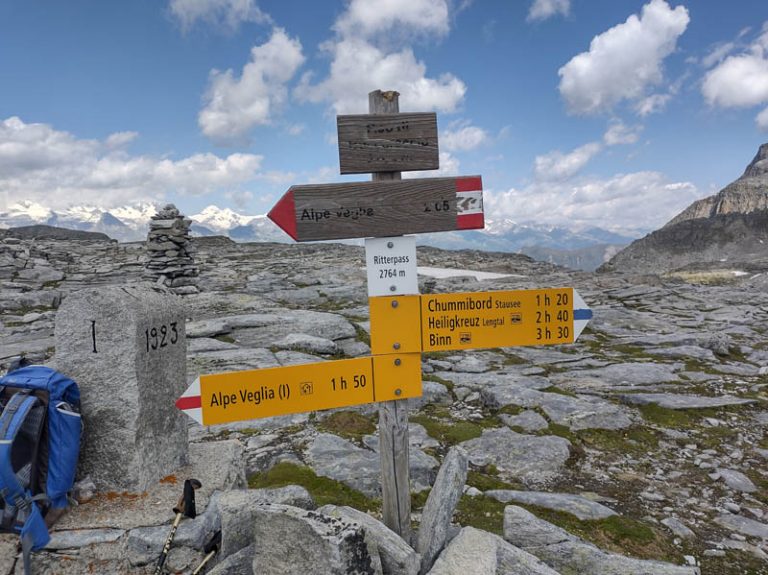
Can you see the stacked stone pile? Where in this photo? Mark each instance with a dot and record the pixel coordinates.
(170, 252)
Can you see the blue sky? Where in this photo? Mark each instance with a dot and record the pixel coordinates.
(615, 113)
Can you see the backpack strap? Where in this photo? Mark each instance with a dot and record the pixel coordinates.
(20, 505)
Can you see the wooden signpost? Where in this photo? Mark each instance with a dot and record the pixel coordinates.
(403, 323)
(380, 208)
(476, 320)
(254, 394)
(379, 143)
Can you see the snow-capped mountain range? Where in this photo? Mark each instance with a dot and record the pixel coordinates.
(583, 248)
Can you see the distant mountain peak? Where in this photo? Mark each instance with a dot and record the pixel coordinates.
(730, 226)
(743, 196)
(759, 165)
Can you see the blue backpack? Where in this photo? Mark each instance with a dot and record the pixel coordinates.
(40, 430)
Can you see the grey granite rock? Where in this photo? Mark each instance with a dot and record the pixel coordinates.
(309, 343)
(579, 507)
(288, 540)
(478, 552)
(679, 401)
(339, 459)
(737, 480)
(570, 554)
(678, 528)
(528, 458)
(441, 503)
(397, 557)
(528, 420)
(618, 375)
(125, 346)
(581, 412)
(743, 525)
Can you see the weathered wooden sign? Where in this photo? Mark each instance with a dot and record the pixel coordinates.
(473, 320)
(380, 208)
(387, 142)
(253, 394)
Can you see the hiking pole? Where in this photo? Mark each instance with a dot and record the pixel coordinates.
(185, 506)
(210, 549)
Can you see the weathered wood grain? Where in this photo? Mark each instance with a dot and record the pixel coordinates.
(387, 142)
(393, 415)
(375, 209)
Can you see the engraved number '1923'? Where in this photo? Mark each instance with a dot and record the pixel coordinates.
(161, 337)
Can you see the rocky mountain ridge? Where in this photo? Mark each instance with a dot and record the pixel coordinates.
(747, 194)
(639, 449)
(726, 232)
(131, 223)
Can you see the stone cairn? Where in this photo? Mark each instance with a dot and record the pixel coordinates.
(170, 252)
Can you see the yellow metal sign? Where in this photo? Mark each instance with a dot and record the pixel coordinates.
(254, 394)
(496, 319)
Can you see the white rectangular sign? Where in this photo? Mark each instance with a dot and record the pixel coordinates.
(391, 266)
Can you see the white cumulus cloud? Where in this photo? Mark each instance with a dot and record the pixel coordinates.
(463, 138)
(234, 106)
(619, 133)
(623, 62)
(741, 80)
(368, 18)
(559, 166)
(358, 67)
(544, 9)
(371, 51)
(762, 120)
(227, 14)
(41, 164)
(633, 203)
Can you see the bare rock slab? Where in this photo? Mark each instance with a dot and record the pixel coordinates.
(218, 466)
(682, 401)
(397, 557)
(441, 503)
(569, 554)
(743, 525)
(289, 540)
(125, 346)
(478, 552)
(529, 458)
(577, 413)
(580, 507)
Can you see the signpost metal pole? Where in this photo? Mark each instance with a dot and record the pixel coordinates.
(393, 415)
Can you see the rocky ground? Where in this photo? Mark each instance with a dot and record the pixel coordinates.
(645, 438)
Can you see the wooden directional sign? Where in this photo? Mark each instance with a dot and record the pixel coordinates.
(380, 208)
(479, 319)
(387, 142)
(245, 395)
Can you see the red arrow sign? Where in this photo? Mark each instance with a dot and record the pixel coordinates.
(380, 208)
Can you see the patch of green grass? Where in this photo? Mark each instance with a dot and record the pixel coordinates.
(224, 338)
(511, 409)
(486, 479)
(714, 437)
(511, 359)
(349, 424)
(734, 563)
(675, 418)
(616, 533)
(419, 500)
(449, 433)
(481, 512)
(635, 440)
(323, 490)
(362, 335)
